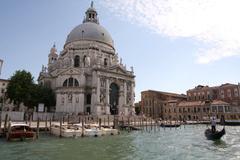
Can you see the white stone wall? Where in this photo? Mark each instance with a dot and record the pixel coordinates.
(89, 78)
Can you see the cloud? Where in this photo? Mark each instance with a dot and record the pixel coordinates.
(211, 22)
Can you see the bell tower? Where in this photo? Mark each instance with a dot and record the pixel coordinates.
(52, 57)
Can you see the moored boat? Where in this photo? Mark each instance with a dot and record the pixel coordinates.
(170, 124)
(214, 136)
(109, 131)
(232, 122)
(20, 131)
(93, 132)
(73, 130)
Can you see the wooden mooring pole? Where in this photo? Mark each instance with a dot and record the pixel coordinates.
(30, 120)
(151, 124)
(0, 121)
(68, 119)
(37, 134)
(100, 121)
(46, 124)
(128, 124)
(5, 122)
(82, 127)
(104, 121)
(61, 120)
(50, 124)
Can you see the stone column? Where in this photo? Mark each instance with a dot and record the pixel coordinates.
(65, 106)
(121, 100)
(93, 98)
(125, 93)
(58, 102)
(133, 94)
(98, 90)
(81, 102)
(107, 97)
(97, 107)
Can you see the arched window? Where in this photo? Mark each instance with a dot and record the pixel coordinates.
(76, 83)
(65, 83)
(105, 61)
(77, 61)
(71, 82)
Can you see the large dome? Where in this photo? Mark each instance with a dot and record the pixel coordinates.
(90, 31)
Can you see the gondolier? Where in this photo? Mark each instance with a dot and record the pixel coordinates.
(213, 124)
(213, 134)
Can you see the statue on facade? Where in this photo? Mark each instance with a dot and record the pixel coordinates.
(87, 61)
(62, 99)
(102, 97)
(8, 105)
(77, 99)
(70, 98)
(103, 82)
(22, 107)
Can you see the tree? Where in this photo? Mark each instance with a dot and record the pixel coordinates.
(44, 95)
(20, 86)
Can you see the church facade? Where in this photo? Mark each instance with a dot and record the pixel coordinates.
(87, 75)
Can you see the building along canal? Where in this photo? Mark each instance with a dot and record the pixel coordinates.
(183, 143)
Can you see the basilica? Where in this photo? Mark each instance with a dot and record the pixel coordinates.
(87, 76)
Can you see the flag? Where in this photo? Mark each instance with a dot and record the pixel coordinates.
(1, 64)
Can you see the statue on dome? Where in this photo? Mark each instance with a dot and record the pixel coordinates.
(132, 69)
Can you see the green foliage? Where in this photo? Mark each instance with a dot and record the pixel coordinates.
(22, 88)
(19, 87)
(137, 110)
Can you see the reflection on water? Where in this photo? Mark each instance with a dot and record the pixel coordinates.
(220, 143)
(187, 143)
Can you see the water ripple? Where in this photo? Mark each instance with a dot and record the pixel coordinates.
(186, 143)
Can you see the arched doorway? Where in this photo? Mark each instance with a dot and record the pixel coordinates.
(114, 97)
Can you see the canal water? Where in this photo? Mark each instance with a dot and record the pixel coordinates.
(185, 143)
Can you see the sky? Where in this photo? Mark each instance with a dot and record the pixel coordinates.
(173, 45)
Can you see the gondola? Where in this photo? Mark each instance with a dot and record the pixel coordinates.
(170, 125)
(214, 136)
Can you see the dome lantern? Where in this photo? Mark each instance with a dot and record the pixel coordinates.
(91, 15)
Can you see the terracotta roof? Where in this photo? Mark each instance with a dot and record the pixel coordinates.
(167, 93)
(201, 87)
(219, 102)
(6, 80)
(172, 101)
(192, 103)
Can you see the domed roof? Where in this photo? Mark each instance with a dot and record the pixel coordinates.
(90, 31)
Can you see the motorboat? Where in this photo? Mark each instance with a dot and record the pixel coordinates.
(109, 131)
(93, 130)
(69, 130)
(20, 131)
(170, 124)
